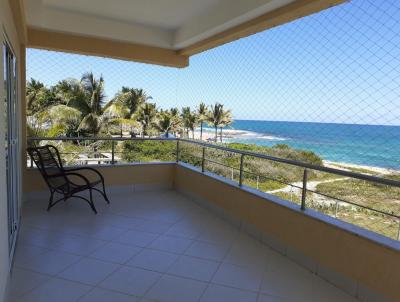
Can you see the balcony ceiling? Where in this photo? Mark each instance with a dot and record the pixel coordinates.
(171, 24)
(164, 32)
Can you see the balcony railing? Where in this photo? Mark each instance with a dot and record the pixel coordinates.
(108, 151)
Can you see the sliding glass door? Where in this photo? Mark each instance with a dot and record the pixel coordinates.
(11, 142)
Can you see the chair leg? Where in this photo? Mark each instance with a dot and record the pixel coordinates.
(104, 193)
(50, 200)
(91, 203)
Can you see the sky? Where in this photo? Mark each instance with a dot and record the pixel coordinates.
(341, 65)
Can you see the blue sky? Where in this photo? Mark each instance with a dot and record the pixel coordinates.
(341, 65)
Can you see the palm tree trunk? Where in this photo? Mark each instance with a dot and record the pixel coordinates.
(201, 131)
(220, 134)
(216, 133)
(193, 133)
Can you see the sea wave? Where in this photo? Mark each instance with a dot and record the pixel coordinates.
(246, 134)
(272, 138)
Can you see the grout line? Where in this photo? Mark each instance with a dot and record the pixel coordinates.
(184, 213)
(219, 266)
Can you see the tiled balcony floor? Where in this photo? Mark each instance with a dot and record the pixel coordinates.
(151, 246)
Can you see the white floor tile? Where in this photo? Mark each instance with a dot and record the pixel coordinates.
(136, 238)
(268, 298)
(130, 280)
(56, 290)
(22, 281)
(154, 260)
(184, 230)
(79, 245)
(152, 226)
(247, 252)
(106, 232)
(129, 244)
(120, 221)
(51, 263)
(176, 289)
(24, 252)
(39, 237)
(194, 268)
(324, 291)
(104, 295)
(88, 271)
(207, 251)
(238, 276)
(299, 280)
(218, 293)
(171, 244)
(116, 252)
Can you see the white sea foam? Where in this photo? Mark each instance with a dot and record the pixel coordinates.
(245, 134)
(253, 135)
(271, 138)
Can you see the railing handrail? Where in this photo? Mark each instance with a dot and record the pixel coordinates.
(305, 166)
(356, 175)
(99, 138)
(360, 176)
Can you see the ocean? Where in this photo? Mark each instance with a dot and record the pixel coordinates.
(370, 145)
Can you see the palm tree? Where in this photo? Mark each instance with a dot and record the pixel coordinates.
(202, 116)
(226, 120)
(93, 121)
(39, 97)
(167, 122)
(119, 114)
(132, 98)
(215, 117)
(33, 89)
(178, 122)
(64, 120)
(185, 115)
(95, 90)
(192, 122)
(71, 93)
(146, 115)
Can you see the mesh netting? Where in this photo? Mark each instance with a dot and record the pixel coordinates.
(323, 89)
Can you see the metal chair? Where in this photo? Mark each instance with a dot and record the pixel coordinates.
(63, 181)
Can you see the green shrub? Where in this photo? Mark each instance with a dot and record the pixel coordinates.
(148, 150)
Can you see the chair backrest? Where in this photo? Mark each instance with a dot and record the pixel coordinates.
(48, 161)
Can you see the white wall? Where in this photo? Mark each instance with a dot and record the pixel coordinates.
(6, 27)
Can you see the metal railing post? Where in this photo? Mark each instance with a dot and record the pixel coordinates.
(113, 152)
(258, 180)
(398, 232)
(177, 150)
(241, 170)
(31, 161)
(304, 193)
(203, 159)
(336, 208)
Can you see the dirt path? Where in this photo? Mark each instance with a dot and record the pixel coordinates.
(311, 185)
(296, 189)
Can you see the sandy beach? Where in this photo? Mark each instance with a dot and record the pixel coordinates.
(350, 167)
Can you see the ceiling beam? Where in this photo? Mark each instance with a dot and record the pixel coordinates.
(43, 39)
(18, 12)
(279, 16)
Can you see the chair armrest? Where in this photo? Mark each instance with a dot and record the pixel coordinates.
(78, 175)
(86, 168)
